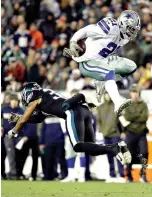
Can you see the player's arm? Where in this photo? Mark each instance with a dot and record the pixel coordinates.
(35, 118)
(24, 118)
(85, 32)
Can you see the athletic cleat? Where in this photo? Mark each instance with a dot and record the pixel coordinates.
(120, 157)
(143, 179)
(122, 153)
(67, 180)
(125, 152)
(100, 89)
(125, 104)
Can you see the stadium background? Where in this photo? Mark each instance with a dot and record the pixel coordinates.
(34, 52)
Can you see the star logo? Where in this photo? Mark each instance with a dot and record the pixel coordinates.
(128, 16)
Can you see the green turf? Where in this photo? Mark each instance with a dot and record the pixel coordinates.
(89, 189)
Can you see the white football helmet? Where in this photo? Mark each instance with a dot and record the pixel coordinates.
(129, 23)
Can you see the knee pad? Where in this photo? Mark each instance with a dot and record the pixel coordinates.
(110, 76)
(130, 65)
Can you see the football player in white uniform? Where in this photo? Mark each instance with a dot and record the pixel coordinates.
(99, 62)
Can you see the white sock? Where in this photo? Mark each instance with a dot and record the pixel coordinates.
(71, 173)
(81, 173)
(112, 89)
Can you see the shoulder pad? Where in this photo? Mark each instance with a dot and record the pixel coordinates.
(108, 25)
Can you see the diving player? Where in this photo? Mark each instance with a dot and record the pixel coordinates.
(41, 103)
(98, 62)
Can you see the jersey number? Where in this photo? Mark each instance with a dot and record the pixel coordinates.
(111, 47)
(52, 93)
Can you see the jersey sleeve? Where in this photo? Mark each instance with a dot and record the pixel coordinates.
(88, 31)
(108, 27)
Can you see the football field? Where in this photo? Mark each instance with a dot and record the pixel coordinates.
(89, 189)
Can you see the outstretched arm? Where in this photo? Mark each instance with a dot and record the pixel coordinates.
(24, 118)
(85, 32)
(35, 118)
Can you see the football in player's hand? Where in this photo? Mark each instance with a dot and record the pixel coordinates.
(82, 45)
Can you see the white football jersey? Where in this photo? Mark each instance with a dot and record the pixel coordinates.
(102, 39)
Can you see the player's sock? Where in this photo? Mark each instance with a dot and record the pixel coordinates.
(111, 88)
(71, 176)
(95, 149)
(81, 177)
(71, 162)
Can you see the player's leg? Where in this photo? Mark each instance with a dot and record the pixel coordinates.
(35, 155)
(122, 66)
(76, 129)
(105, 70)
(70, 158)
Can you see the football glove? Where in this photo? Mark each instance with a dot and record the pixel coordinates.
(67, 52)
(13, 118)
(74, 48)
(12, 133)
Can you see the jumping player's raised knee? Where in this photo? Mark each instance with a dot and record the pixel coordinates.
(110, 75)
(130, 65)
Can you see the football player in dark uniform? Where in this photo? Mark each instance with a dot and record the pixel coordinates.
(45, 102)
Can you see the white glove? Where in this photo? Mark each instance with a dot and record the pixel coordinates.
(12, 133)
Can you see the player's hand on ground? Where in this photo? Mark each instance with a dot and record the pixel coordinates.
(13, 117)
(74, 47)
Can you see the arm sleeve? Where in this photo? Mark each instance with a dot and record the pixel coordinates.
(42, 135)
(88, 31)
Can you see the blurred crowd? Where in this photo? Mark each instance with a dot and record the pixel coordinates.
(34, 33)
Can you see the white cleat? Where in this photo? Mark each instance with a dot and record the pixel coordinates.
(116, 180)
(100, 89)
(120, 157)
(123, 105)
(67, 180)
(81, 180)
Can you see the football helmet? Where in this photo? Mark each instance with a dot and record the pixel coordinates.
(27, 92)
(129, 23)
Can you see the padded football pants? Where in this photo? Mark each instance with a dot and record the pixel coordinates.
(98, 69)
